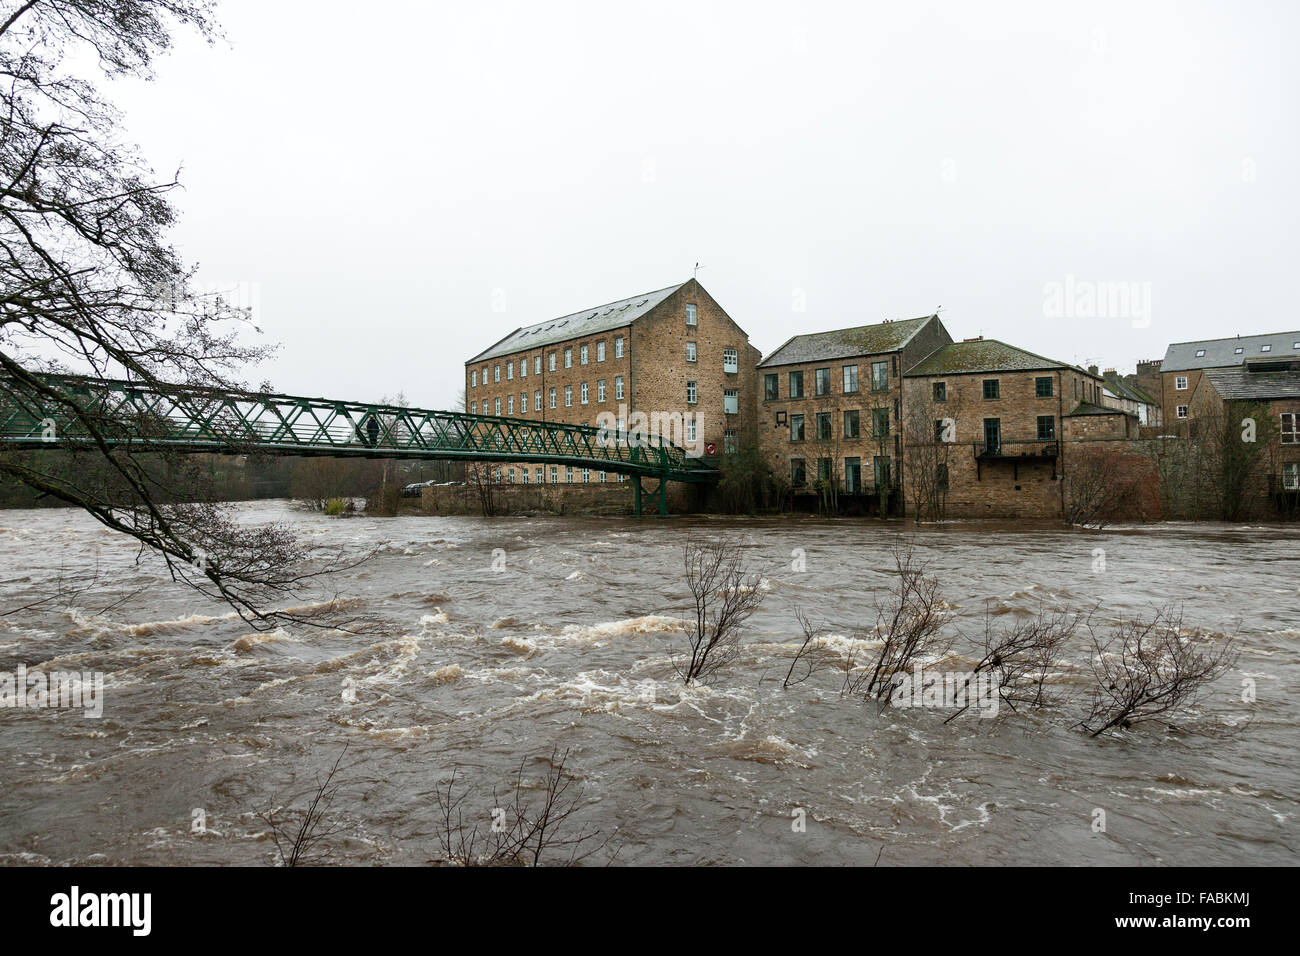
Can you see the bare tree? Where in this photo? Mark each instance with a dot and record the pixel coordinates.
(1102, 484)
(1149, 669)
(483, 478)
(302, 838)
(518, 833)
(91, 285)
(909, 621)
(930, 447)
(724, 596)
(811, 656)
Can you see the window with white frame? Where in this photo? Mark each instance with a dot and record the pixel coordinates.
(583, 397)
(523, 367)
(485, 371)
(537, 400)
(602, 477)
(618, 387)
(618, 347)
(690, 315)
(600, 351)
(692, 428)
(600, 390)
(497, 405)
(555, 474)
(537, 365)
(568, 474)
(550, 361)
(586, 476)
(510, 404)
(510, 476)
(730, 360)
(1180, 383)
(1182, 411)
(568, 396)
(524, 475)
(731, 401)
(690, 351)
(496, 373)
(473, 408)
(510, 371)
(692, 393)
(568, 358)
(473, 379)
(582, 355)
(1266, 348)
(523, 402)
(552, 397)
(1290, 428)
(539, 474)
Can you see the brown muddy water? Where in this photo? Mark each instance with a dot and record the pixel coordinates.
(568, 645)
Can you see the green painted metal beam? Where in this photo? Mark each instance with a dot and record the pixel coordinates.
(139, 418)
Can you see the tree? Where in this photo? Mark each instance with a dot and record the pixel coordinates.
(91, 284)
(929, 432)
(724, 597)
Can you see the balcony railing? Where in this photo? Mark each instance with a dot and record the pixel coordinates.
(1018, 448)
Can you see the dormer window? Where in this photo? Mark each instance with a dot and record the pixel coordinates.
(1200, 353)
(1266, 348)
(1239, 350)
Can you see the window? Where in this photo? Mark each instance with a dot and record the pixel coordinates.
(1182, 411)
(496, 373)
(823, 426)
(537, 365)
(880, 422)
(552, 397)
(728, 441)
(991, 388)
(550, 362)
(485, 368)
(510, 404)
(568, 396)
(770, 387)
(796, 384)
(568, 474)
(618, 387)
(879, 376)
(1046, 428)
(582, 355)
(1266, 348)
(473, 378)
(600, 357)
(730, 361)
(586, 476)
(1200, 353)
(690, 351)
(473, 408)
(523, 402)
(523, 368)
(524, 475)
(555, 474)
(497, 406)
(692, 428)
(730, 401)
(798, 478)
(1290, 428)
(1043, 386)
(692, 393)
(618, 347)
(823, 469)
(510, 371)
(1291, 476)
(602, 477)
(539, 473)
(796, 428)
(1238, 350)
(690, 315)
(1180, 383)
(600, 390)
(853, 475)
(941, 391)
(852, 424)
(537, 400)
(822, 381)
(993, 435)
(510, 476)
(850, 379)
(940, 428)
(568, 357)
(583, 394)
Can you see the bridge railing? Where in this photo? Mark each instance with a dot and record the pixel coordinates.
(197, 418)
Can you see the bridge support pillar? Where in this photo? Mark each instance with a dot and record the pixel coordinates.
(636, 488)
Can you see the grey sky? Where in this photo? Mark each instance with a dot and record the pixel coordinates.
(408, 182)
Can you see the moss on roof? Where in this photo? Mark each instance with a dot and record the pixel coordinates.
(846, 343)
(982, 355)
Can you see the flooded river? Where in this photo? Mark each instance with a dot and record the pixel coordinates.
(486, 642)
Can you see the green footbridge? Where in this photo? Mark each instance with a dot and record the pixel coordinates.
(65, 411)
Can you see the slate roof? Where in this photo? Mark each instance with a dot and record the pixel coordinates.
(1087, 408)
(1124, 390)
(600, 318)
(1222, 353)
(846, 343)
(1237, 383)
(983, 355)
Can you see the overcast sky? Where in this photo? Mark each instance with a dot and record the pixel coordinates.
(405, 183)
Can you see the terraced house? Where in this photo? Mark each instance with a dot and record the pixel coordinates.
(672, 352)
(830, 410)
(1185, 362)
(984, 429)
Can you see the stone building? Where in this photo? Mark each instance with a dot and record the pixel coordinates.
(984, 429)
(1184, 363)
(673, 354)
(830, 409)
